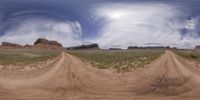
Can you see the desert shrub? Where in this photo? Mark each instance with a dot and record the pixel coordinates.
(190, 54)
(26, 57)
(193, 55)
(120, 60)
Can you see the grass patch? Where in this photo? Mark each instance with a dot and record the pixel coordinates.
(25, 56)
(190, 54)
(120, 60)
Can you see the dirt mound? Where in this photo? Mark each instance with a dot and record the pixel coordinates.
(89, 46)
(10, 45)
(47, 44)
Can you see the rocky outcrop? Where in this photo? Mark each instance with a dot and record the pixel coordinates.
(90, 46)
(10, 45)
(197, 47)
(47, 44)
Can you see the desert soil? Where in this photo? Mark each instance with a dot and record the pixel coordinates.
(170, 77)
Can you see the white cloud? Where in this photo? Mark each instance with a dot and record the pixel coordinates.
(66, 32)
(140, 24)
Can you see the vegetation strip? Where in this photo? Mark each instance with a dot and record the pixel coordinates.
(25, 57)
(189, 54)
(118, 60)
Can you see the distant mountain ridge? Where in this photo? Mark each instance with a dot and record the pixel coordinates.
(89, 46)
(40, 43)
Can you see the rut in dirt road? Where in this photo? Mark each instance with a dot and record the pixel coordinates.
(170, 81)
(166, 78)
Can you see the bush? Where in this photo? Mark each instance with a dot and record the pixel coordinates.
(194, 55)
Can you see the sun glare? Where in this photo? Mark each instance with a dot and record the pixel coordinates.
(116, 15)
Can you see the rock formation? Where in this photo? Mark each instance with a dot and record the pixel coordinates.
(197, 47)
(47, 44)
(10, 45)
(40, 43)
(151, 47)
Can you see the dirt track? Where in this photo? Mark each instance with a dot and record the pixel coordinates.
(168, 78)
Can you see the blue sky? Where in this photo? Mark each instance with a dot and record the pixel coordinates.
(110, 23)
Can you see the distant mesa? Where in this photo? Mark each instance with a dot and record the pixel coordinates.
(44, 43)
(197, 47)
(10, 45)
(93, 46)
(40, 43)
(115, 49)
(151, 47)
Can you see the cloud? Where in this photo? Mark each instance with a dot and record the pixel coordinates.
(140, 24)
(26, 31)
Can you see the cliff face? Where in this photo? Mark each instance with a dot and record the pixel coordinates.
(44, 43)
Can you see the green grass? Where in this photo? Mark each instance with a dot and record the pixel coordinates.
(25, 56)
(120, 61)
(190, 54)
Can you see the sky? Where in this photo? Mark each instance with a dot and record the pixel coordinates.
(110, 23)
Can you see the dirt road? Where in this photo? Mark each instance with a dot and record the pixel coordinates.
(168, 78)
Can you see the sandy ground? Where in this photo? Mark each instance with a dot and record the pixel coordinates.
(170, 77)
